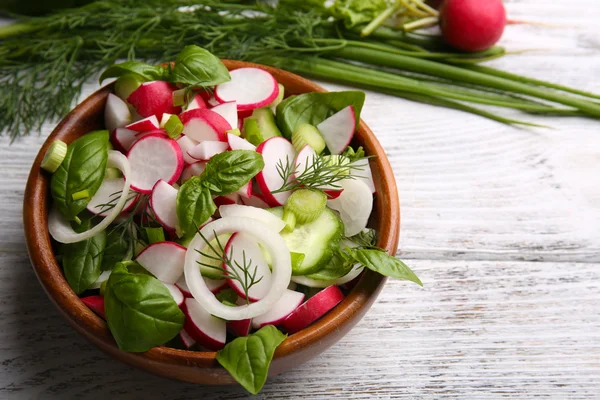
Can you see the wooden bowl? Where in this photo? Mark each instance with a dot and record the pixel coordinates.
(193, 366)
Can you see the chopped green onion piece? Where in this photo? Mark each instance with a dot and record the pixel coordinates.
(82, 194)
(112, 173)
(77, 220)
(174, 127)
(307, 134)
(54, 156)
(103, 288)
(139, 246)
(179, 98)
(279, 98)
(297, 259)
(164, 119)
(155, 235)
(305, 204)
(251, 131)
(235, 132)
(290, 220)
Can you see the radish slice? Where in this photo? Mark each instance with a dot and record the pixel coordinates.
(333, 194)
(285, 306)
(60, 227)
(244, 250)
(202, 124)
(228, 199)
(108, 192)
(228, 111)
(239, 328)
(304, 160)
(116, 113)
(313, 283)
(267, 238)
(354, 205)
(101, 279)
(313, 309)
(183, 286)
(269, 219)
(215, 285)
(276, 152)
(165, 260)
(187, 340)
(245, 191)
(208, 149)
(361, 169)
(195, 169)
(96, 304)
(186, 145)
(153, 98)
(250, 87)
(208, 330)
(238, 143)
(154, 158)
(163, 202)
(161, 132)
(196, 103)
(338, 130)
(123, 139)
(255, 201)
(176, 293)
(147, 124)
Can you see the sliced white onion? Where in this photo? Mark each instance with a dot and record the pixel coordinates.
(270, 240)
(59, 226)
(237, 210)
(313, 283)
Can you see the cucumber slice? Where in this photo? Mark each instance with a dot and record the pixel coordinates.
(317, 240)
(266, 123)
(307, 134)
(251, 132)
(278, 100)
(306, 204)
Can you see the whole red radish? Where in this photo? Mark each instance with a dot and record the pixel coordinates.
(472, 25)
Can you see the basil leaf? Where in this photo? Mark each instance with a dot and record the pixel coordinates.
(140, 311)
(227, 296)
(82, 260)
(143, 71)
(314, 108)
(198, 67)
(354, 155)
(334, 269)
(82, 169)
(247, 358)
(227, 172)
(116, 249)
(194, 205)
(381, 262)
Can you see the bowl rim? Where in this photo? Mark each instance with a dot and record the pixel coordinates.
(49, 273)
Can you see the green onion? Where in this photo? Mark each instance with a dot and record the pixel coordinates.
(54, 156)
(174, 127)
(305, 204)
(155, 235)
(307, 134)
(82, 194)
(179, 97)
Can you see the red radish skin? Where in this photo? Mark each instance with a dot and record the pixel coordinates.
(333, 194)
(161, 132)
(163, 202)
(205, 329)
(338, 130)
(206, 150)
(145, 125)
(123, 138)
(186, 144)
(313, 309)
(153, 158)
(284, 307)
(274, 151)
(245, 191)
(472, 25)
(116, 113)
(154, 99)
(165, 260)
(239, 328)
(228, 111)
(227, 199)
(256, 200)
(187, 340)
(195, 169)
(250, 87)
(202, 124)
(96, 304)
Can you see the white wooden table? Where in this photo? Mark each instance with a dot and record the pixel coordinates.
(502, 225)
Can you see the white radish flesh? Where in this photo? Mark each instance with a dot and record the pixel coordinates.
(269, 219)
(229, 112)
(195, 169)
(313, 309)
(183, 286)
(153, 158)
(276, 151)
(107, 195)
(163, 202)
(245, 191)
(116, 113)
(196, 103)
(354, 205)
(144, 125)
(176, 293)
(290, 301)
(229, 199)
(123, 139)
(153, 99)
(206, 329)
(245, 252)
(338, 130)
(255, 200)
(186, 144)
(250, 87)
(187, 340)
(361, 169)
(101, 279)
(165, 260)
(202, 124)
(208, 149)
(238, 143)
(304, 160)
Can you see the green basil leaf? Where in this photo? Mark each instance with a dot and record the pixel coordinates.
(334, 269)
(82, 260)
(247, 358)
(82, 169)
(381, 262)
(198, 67)
(354, 155)
(314, 108)
(116, 249)
(227, 172)
(143, 71)
(227, 296)
(140, 311)
(194, 205)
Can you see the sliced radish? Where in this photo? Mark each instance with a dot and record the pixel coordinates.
(116, 113)
(338, 130)
(195, 169)
(144, 125)
(187, 340)
(186, 144)
(238, 143)
(183, 286)
(153, 158)
(250, 87)
(276, 152)
(176, 293)
(153, 99)
(229, 199)
(208, 149)
(206, 329)
(242, 249)
(164, 120)
(107, 195)
(239, 328)
(313, 309)
(354, 205)
(236, 210)
(165, 260)
(303, 280)
(290, 301)
(245, 191)
(304, 160)
(202, 124)
(215, 285)
(196, 103)
(255, 200)
(101, 279)
(332, 193)
(123, 139)
(362, 170)
(163, 202)
(96, 304)
(229, 112)
(161, 132)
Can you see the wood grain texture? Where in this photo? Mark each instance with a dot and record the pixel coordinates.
(479, 202)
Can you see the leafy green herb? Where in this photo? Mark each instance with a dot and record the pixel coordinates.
(116, 250)
(248, 358)
(195, 205)
(227, 172)
(383, 263)
(82, 169)
(314, 108)
(227, 297)
(143, 71)
(367, 239)
(140, 310)
(82, 261)
(335, 268)
(196, 66)
(354, 155)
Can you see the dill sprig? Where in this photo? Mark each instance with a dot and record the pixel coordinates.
(367, 239)
(247, 278)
